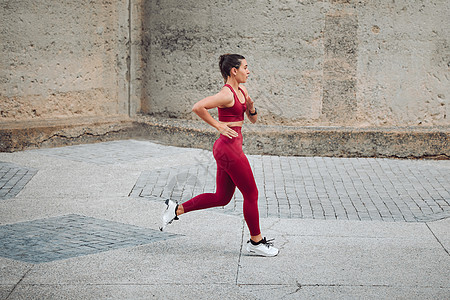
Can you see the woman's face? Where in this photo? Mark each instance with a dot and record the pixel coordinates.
(242, 72)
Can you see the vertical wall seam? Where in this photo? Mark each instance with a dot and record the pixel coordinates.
(339, 67)
(129, 57)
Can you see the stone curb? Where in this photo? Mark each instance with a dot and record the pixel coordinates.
(17, 136)
(393, 142)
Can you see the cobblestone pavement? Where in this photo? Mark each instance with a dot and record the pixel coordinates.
(321, 188)
(13, 179)
(109, 153)
(291, 187)
(56, 235)
(46, 240)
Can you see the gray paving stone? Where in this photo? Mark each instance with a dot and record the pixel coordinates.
(67, 236)
(114, 152)
(13, 179)
(320, 188)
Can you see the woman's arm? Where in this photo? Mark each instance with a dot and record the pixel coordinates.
(250, 106)
(221, 99)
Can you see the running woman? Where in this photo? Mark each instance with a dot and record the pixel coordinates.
(233, 168)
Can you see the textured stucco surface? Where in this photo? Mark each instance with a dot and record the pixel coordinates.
(331, 77)
(404, 62)
(62, 59)
(353, 63)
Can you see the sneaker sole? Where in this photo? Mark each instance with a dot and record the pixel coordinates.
(170, 222)
(261, 254)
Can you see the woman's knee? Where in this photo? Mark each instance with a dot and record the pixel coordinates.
(252, 197)
(223, 200)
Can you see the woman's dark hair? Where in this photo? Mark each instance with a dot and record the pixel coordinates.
(228, 62)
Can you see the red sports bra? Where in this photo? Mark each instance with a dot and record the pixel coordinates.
(234, 113)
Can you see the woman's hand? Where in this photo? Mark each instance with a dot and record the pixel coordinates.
(251, 109)
(250, 104)
(226, 131)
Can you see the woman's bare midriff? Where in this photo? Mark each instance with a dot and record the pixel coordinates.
(234, 124)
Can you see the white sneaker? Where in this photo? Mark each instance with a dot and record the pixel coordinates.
(264, 248)
(169, 214)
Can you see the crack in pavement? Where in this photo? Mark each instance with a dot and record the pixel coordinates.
(21, 279)
(240, 252)
(437, 239)
(283, 236)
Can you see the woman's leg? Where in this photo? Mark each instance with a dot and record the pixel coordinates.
(225, 188)
(242, 175)
(233, 169)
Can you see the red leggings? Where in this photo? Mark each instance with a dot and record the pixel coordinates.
(233, 170)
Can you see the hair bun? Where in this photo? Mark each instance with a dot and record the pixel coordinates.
(227, 62)
(222, 58)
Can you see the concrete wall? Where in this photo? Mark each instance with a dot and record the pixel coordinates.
(61, 58)
(351, 75)
(336, 62)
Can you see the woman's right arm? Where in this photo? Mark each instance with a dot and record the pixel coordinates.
(221, 99)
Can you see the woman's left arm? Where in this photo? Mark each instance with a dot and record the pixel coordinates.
(251, 110)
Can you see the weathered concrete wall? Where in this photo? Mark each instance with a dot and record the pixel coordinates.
(330, 78)
(335, 62)
(61, 58)
(404, 62)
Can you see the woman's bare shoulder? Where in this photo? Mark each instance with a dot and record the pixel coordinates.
(226, 93)
(223, 98)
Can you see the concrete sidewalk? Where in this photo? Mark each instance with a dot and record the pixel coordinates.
(81, 222)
